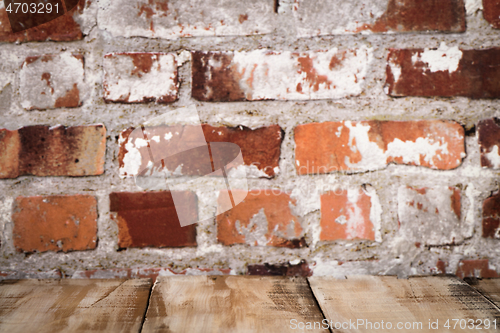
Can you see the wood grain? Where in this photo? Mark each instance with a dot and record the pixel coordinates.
(489, 288)
(73, 305)
(414, 300)
(230, 304)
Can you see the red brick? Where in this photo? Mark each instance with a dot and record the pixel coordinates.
(335, 17)
(288, 269)
(260, 148)
(348, 215)
(479, 268)
(150, 219)
(55, 151)
(269, 75)
(263, 218)
(140, 77)
(171, 19)
(45, 83)
(55, 223)
(370, 145)
(431, 216)
(491, 12)
(63, 28)
(445, 72)
(491, 216)
(488, 131)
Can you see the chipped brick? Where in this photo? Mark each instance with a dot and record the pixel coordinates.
(334, 17)
(351, 214)
(478, 268)
(491, 216)
(150, 219)
(52, 81)
(264, 218)
(55, 151)
(288, 269)
(260, 149)
(264, 74)
(488, 131)
(67, 27)
(171, 19)
(55, 223)
(371, 145)
(140, 77)
(446, 72)
(491, 12)
(431, 216)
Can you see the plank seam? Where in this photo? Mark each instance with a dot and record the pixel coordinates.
(317, 304)
(147, 305)
(482, 294)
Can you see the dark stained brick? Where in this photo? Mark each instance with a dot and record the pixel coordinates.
(491, 12)
(489, 142)
(150, 219)
(55, 223)
(469, 73)
(301, 269)
(56, 151)
(491, 216)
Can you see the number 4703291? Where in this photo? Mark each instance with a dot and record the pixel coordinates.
(32, 8)
(470, 324)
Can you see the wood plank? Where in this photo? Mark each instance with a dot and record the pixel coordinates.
(489, 288)
(73, 305)
(416, 300)
(230, 304)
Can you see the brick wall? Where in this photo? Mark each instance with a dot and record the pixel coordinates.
(370, 131)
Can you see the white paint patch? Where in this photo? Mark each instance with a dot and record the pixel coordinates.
(443, 59)
(247, 171)
(256, 230)
(341, 219)
(395, 70)
(493, 157)
(373, 157)
(472, 6)
(280, 75)
(159, 82)
(168, 136)
(412, 151)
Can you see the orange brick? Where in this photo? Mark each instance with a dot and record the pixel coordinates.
(263, 218)
(479, 268)
(346, 215)
(371, 145)
(55, 223)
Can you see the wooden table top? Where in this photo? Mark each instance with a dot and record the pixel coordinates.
(251, 304)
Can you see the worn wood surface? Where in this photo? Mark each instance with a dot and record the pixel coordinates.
(73, 305)
(489, 288)
(416, 300)
(230, 304)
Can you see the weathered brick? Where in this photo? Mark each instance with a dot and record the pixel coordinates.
(335, 17)
(55, 151)
(52, 81)
(66, 27)
(431, 216)
(172, 19)
(140, 77)
(150, 219)
(488, 131)
(141, 273)
(491, 216)
(351, 214)
(478, 268)
(370, 145)
(491, 12)
(264, 74)
(287, 269)
(264, 218)
(446, 71)
(260, 149)
(55, 223)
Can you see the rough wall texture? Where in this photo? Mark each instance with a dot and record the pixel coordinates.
(378, 121)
